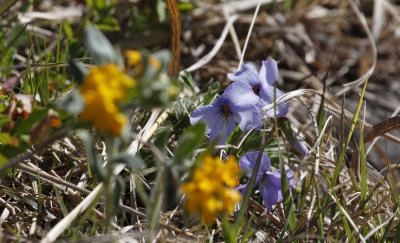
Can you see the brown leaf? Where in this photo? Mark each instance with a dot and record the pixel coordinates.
(375, 131)
(41, 131)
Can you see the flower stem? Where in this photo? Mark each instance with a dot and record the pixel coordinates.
(249, 191)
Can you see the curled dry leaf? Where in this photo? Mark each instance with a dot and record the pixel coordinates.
(41, 131)
(20, 106)
(24, 104)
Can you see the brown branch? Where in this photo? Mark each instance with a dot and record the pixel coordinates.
(377, 130)
(382, 128)
(175, 23)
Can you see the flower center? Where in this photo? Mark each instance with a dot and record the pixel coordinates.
(256, 89)
(225, 110)
(265, 181)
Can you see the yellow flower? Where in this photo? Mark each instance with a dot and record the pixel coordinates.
(210, 192)
(153, 61)
(133, 57)
(102, 89)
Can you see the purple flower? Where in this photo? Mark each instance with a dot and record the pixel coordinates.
(269, 182)
(262, 84)
(300, 146)
(237, 103)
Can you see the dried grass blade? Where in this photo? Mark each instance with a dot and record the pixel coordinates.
(249, 33)
(364, 24)
(372, 232)
(287, 97)
(205, 59)
(349, 135)
(62, 225)
(347, 219)
(378, 17)
(376, 139)
(5, 6)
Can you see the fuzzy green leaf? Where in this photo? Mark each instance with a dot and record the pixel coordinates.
(131, 161)
(161, 10)
(78, 70)
(92, 156)
(186, 78)
(72, 103)
(190, 140)
(99, 47)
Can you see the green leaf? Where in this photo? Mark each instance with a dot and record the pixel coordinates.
(156, 199)
(78, 71)
(3, 160)
(120, 188)
(134, 162)
(8, 59)
(24, 126)
(397, 235)
(141, 191)
(388, 227)
(164, 56)
(114, 193)
(186, 78)
(287, 5)
(320, 215)
(181, 108)
(15, 39)
(4, 119)
(4, 102)
(92, 156)
(43, 86)
(191, 139)
(162, 137)
(150, 72)
(287, 199)
(10, 151)
(344, 220)
(349, 135)
(161, 10)
(248, 234)
(287, 130)
(4, 137)
(321, 118)
(60, 199)
(212, 89)
(284, 228)
(6, 5)
(100, 48)
(72, 103)
(185, 6)
(245, 201)
(108, 24)
(343, 152)
(69, 32)
(171, 185)
(363, 172)
(100, 4)
(228, 231)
